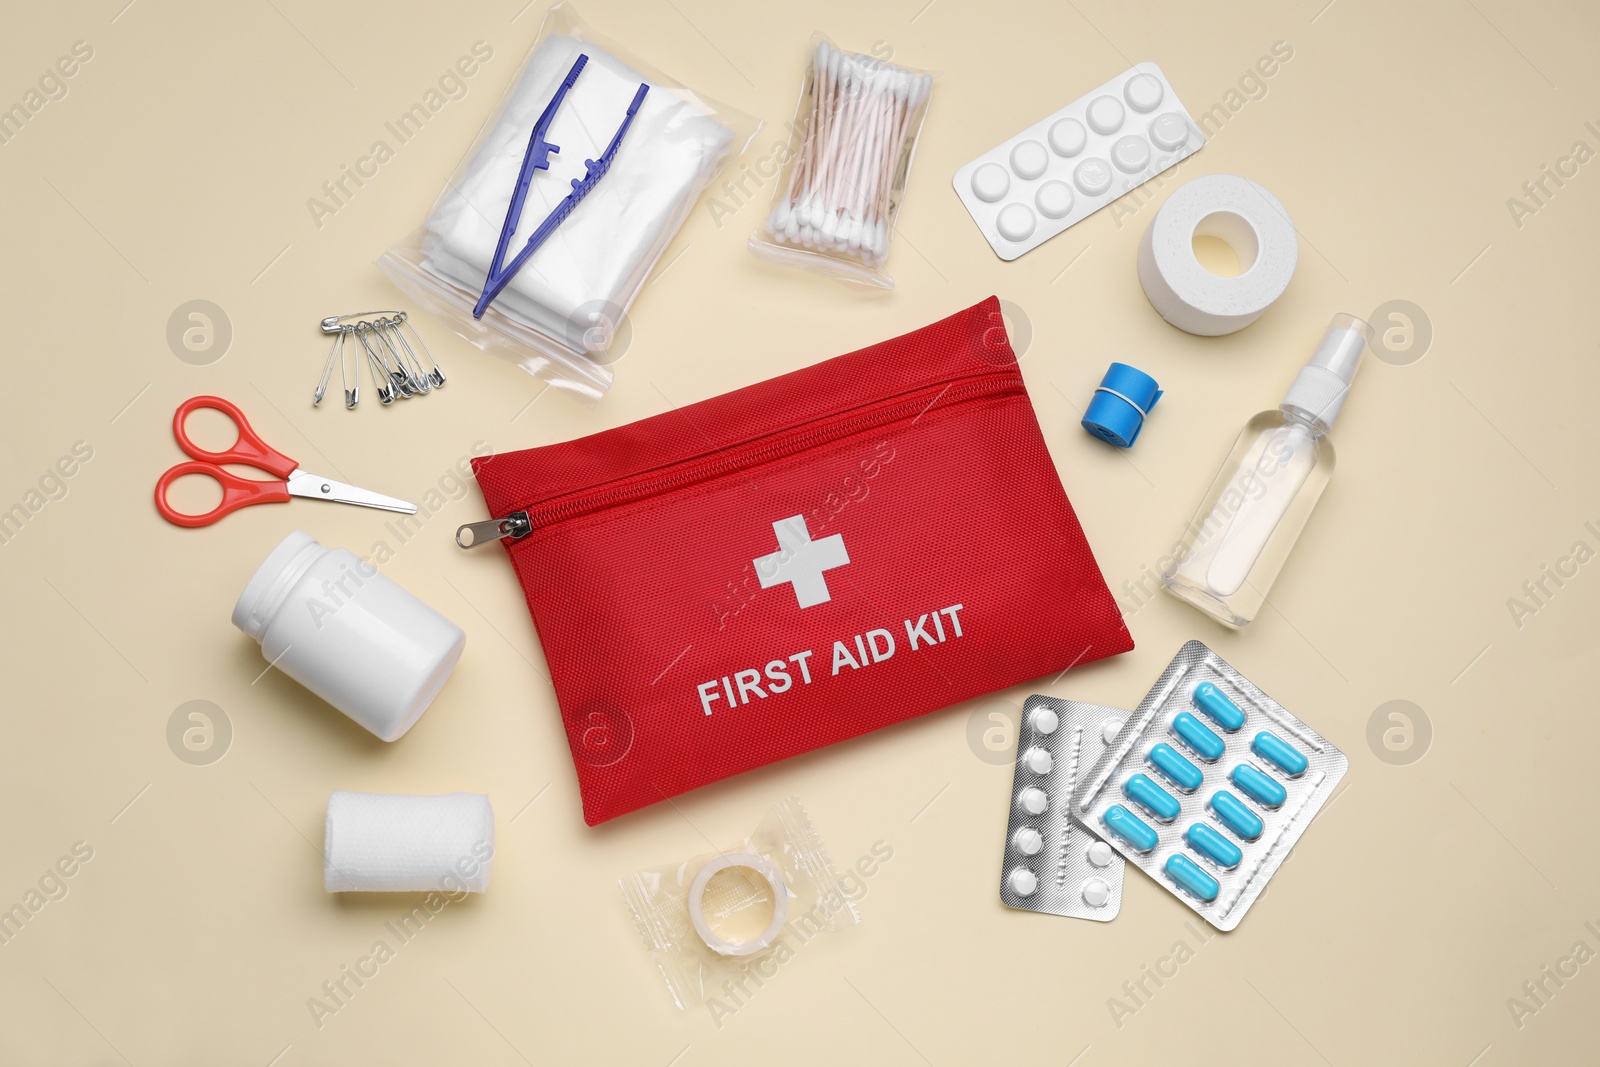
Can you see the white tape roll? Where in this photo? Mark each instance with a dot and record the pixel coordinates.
(697, 910)
(1245, 216)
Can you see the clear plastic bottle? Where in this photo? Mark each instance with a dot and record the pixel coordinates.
(1237, 542)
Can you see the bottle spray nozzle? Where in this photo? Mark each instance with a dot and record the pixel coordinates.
(1323, 383)
(1340, 352)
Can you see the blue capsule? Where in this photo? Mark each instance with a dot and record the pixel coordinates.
(1222, 711)
(1245, 823)
(1151, 797)
(1175, 768)
(1278, 752)
(1191, 879)
(1198, 736)
(1132, 829)
(1258, 787)
(1212, 845)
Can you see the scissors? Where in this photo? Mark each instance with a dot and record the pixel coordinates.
(251, 451)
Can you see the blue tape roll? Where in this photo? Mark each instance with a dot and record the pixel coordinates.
(1118, 409)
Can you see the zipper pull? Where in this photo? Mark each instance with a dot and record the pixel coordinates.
(514, 526)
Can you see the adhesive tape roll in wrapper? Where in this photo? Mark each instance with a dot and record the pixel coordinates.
(780, 903)
(1251, 221)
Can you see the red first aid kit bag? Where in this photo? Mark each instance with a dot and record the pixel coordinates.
(798, 562)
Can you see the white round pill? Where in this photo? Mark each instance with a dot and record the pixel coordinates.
(1105, 114)
(1096, 893)
(1100, 854)
(1038, 760)
(1092, 177)
(1054, 199)
(1028, 159)
(1033, 800)
(1045, 721)
(1068, 137)
(1131, 154)
(990, 182)
(1143, 92)
(1015, 222)
(1110, 729)
(1024, 882)
(1028, 841)
(1170, 131)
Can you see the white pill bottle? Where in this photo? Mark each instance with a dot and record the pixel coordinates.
(347, 633)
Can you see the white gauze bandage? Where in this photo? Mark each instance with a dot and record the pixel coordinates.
(382, 843)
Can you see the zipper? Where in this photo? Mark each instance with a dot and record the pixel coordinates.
(520, 523)
(515, 526)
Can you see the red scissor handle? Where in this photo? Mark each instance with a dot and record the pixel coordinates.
(249, 449)
(237, 492)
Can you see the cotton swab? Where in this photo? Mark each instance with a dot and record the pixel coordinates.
(852, 160)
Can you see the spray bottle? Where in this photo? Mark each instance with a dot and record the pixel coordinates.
(1238, 540)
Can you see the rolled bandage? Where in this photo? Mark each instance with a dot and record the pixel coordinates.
(1244, 216)
(380, 843)
(1120, 404)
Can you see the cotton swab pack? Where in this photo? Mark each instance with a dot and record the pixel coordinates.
(854, 133)
(1209, 785)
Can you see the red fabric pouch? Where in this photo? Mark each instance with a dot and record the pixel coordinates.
(798, 562)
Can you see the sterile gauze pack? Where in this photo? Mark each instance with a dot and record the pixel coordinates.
(560, 312)
(1209, 785)
(1053, 863)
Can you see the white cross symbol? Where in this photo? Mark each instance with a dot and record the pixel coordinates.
(800, 561)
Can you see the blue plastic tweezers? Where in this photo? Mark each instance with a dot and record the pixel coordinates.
(537, 157)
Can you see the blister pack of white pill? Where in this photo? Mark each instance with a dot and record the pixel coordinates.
(1063, 169)
(1053, 863)
(1209, 785)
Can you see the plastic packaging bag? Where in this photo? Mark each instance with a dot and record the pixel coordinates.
(853, 136)
(730, 896)
(558, 316)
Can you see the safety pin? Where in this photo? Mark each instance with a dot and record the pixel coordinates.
(415, 379)
(408, 355)
(352, 394)
(335, 323)
(397, 371)
(382, 376)
(436, 376)
(398, 374)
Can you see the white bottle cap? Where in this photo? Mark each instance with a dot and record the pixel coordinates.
(1323, 383)
(265, 592)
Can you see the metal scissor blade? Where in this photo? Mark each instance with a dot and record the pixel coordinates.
(304, 483)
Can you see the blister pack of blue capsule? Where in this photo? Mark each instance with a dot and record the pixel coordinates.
(1053, 863)
(1209, 784)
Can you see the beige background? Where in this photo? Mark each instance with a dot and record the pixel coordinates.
(178, 166)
